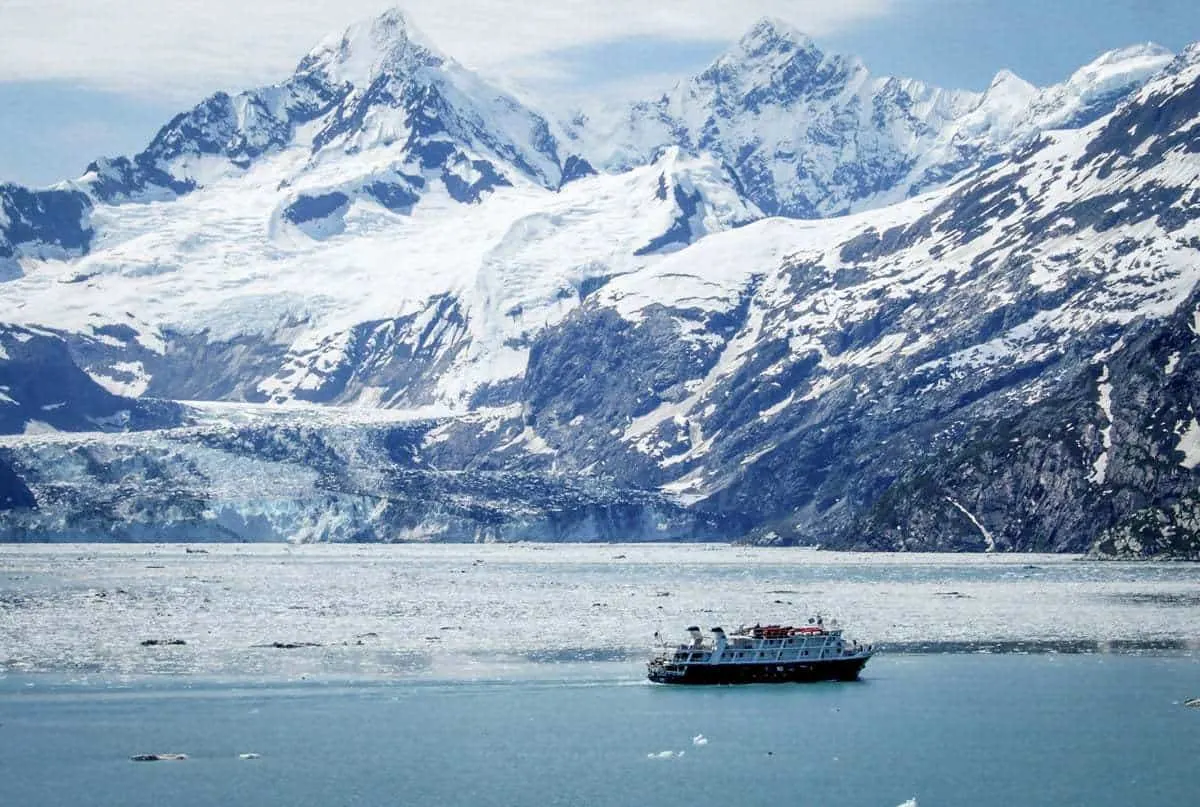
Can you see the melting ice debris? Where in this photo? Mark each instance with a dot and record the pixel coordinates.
(1193, 703)
(665, 754)
(250, 756)
(699, 739)
(909, 803)
(158, 757)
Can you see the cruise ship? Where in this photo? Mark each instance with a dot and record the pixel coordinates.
(762, 654)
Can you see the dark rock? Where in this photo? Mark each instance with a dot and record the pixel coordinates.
(37, 220)
(576, 167)
(312, 208)
(43, 384)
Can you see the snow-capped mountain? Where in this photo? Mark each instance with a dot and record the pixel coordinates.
(811, 134)
(414, 312)
(378, 106)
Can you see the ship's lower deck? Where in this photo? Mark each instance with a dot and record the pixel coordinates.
(834, 669)
(840, 669)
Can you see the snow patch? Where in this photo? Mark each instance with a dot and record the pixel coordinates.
(1100, 466)
(987, 536)
(132, 383)
(1172, 363)
(1189, 443)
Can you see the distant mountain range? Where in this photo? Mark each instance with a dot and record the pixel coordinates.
(786, 302)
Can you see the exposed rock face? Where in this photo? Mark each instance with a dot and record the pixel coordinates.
(41, 224)
(1106, 461)
(42, 388)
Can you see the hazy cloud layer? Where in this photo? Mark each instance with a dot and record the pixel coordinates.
(186, 48)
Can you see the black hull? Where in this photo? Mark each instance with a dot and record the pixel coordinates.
(775, 673)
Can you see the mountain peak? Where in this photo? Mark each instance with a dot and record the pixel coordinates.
(387, 43)
(1140, 51)
(1006, 77)
(1123, 66)
(776, 58)
(1010, 89)
(772, 35)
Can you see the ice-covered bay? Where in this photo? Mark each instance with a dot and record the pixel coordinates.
(495, 610)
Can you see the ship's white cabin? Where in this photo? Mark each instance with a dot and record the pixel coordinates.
(770, 644)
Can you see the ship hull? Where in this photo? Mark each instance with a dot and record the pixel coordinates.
(772, 673)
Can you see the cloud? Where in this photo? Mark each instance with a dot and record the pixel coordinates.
(184, 49)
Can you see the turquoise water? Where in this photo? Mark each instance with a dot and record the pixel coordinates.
(945, 729)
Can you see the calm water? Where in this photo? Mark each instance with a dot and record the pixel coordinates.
(947, 729)
(510, 675)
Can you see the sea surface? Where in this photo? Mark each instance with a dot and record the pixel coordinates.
(513, 675)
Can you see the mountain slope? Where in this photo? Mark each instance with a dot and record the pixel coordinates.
(856, 349)
(433, 306)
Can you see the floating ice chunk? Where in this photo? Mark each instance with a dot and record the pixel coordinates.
(158, 757)
(909, 803)
(250, 756)
(665, 754)
(699, 739)
(1194, 703)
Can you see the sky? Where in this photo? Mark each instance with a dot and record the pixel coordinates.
(82, 80)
